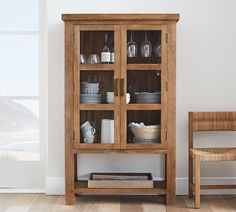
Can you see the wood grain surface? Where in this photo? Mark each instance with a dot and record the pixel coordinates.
(85, 34)
(45, 203)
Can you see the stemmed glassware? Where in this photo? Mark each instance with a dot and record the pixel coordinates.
(157, 48)
(146, 47)
(131, 47)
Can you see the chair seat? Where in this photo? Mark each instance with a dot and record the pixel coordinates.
(214, 154)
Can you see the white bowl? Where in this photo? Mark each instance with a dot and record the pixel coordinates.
(89, 90)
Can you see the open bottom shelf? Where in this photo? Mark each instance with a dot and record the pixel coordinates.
(81, 187)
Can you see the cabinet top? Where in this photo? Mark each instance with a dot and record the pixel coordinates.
(119, 17)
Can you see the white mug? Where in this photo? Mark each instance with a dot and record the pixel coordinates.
(89, 139)
(87, 124)
(88, 131)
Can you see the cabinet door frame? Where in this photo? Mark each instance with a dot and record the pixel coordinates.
(77, 69)
(164, 69)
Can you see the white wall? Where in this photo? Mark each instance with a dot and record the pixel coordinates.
(206, 73)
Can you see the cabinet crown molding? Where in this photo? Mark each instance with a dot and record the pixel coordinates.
(120, 17)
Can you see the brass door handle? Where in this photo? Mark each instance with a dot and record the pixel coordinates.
(116, 87)
(122, 87)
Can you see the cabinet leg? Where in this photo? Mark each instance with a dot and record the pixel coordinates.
(70, 199)
(170, 199)
(170, 178)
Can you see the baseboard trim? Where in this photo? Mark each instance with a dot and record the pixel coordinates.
(24, 191)
(55, 186)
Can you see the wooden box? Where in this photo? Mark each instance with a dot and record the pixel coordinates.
(120, 180)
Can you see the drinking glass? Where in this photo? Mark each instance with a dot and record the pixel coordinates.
(93, 59)
(82, 59)
(131, 47)
(146, 47)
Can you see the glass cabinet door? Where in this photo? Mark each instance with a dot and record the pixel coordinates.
(143, 86)
(96, 75)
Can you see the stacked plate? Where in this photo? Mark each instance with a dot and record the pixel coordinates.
(89, 93)
(90, 98)
(147, 97)
(147, 141)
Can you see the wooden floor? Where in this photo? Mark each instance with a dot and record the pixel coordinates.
(40, 202)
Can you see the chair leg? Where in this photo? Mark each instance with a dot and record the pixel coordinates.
(197, 182)
(190, 176)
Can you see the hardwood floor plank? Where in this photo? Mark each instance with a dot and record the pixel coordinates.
(142, 203)
(219, 204)
(98, 204)
(6, 201)
(231, 200)
(180, 205)
(204, 204)
(60, 206)
(22, 202)
(153, 203)
(44, 203)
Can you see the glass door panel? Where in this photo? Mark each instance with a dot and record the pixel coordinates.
(144, 46)
(144, 135)
(102, 127)
(144, 79)
(92, 44)
(96, 76)
(144, 86)
(97, 87)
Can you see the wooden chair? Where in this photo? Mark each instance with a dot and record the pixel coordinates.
(208, 121)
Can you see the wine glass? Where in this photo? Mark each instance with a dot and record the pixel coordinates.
(157, 48)
(131, 47)
(146, 47)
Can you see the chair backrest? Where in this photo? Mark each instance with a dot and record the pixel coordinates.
(210, 121)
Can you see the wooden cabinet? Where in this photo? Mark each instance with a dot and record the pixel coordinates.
(84, 34)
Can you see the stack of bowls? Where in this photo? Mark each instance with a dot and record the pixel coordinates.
(90, 87)
(147, 97)
(89, 93)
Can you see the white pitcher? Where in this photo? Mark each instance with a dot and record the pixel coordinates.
(107, 131)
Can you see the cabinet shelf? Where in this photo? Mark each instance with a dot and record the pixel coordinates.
(97, 67)
(120, 151)
(143, 67)
(159, 187)
(143, 107)
(96, 106)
